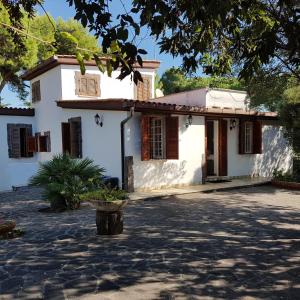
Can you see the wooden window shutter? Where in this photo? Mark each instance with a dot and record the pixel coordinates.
(223, 148)
(75, 137)
(145, 138)
(143, 89)
(241, 136)
(257, 137)
(36, 91)
(28, 135)
(66, 141)
(48, 142)
(87, 85)
(172, 140)
(13, 141)
(43, 143)
(37, 135)
(31, 144)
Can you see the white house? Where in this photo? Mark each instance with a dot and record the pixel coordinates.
(146, 142)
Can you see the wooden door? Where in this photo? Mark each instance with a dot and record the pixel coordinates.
(223, 149)
(210, 146)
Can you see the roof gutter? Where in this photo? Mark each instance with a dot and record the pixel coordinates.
(123, 144)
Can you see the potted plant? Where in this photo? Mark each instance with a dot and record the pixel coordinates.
(109, 204)
(65, 178)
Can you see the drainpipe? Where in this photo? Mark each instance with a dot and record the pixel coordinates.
(123, 144)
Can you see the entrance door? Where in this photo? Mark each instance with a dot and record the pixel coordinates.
(223, 153)
(216, 148)
(210, 148)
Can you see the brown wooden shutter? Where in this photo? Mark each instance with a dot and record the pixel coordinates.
(36, 91)
(145, 138)
(31, 144)
(87, 84)
(241, 136)
(223, 149)
(43, 143)
(28, 128)
(13, 141)
(75, 137)
(172, 141)
(143, 89)
(257, 137)
(48, 142)
(66, 141)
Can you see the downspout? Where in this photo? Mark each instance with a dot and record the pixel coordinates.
(123, 144)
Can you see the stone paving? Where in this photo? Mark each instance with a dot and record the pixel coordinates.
(242, 244)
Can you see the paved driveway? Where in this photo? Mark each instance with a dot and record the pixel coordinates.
(242, 244)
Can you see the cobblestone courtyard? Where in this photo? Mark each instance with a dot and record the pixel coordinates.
(242, 244)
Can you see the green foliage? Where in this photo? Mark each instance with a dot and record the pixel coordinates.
(104, 194)
(65, 43)
(216, 35)
(65, 178)
(79, 33)
(23, 52)
(283, 176)
(292, 95)
(174, 80)
(268, 87)
(15, 56)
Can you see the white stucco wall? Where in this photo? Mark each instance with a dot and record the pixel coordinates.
(226, 98)
(207, 97)
(110, 87)
(161, 173)
(192, 98)
(102, 144)
(99, 144)
(275, 153)
(14, 171)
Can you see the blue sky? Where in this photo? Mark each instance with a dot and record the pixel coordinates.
(60, 8)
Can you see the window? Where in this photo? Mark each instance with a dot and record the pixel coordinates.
(87, 85)
(248, 137)
(143, 90)
(71, 137)
(20, 140)
(159, 137)
(157, 132)
(44, 143)
(36, 91)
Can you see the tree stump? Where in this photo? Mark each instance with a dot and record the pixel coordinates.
(109, 223)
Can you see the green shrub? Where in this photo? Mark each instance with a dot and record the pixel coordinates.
(104, 194)
(280, 175)
(64, 178)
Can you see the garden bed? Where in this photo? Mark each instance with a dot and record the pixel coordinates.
(286, 184)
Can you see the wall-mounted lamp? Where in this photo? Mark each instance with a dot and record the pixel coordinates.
(189, 121)
(99, 120)
(232, 124)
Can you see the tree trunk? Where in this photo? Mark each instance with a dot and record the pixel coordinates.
(109, 223)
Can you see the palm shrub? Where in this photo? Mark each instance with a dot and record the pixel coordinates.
(64, 178)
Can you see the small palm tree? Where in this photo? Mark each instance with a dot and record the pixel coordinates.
(64, 178)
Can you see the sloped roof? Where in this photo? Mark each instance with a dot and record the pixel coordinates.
(13, 111)
(159, 107)
(56, 60)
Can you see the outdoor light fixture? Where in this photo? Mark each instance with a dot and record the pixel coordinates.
(232, 124)
(99, 120)
(189, 121)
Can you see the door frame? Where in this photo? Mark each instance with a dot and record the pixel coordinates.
(222, 143)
